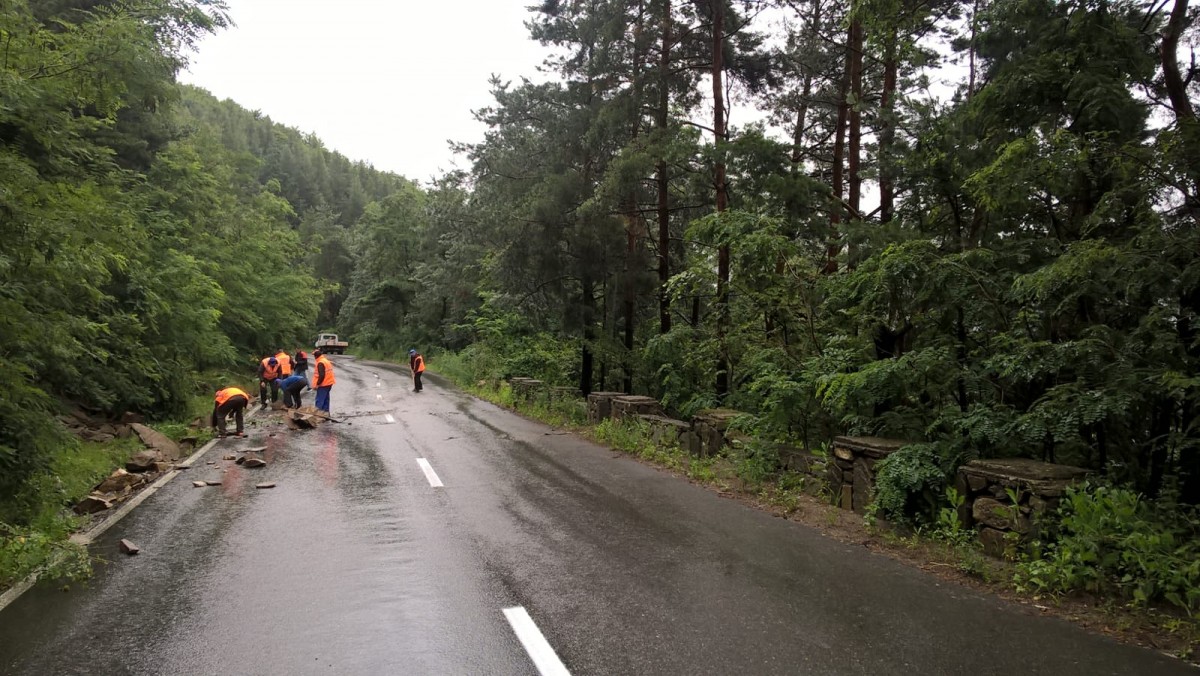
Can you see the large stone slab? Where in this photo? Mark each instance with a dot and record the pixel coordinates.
(632, 405)
(157, 440)
(1040, 478)
(144, 461)
(871, 447)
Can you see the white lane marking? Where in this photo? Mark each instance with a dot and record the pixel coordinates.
(379, 384)
(429, 473)
(535, 643)
(379, 396)
(390, 418)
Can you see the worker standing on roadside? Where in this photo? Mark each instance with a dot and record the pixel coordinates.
(229, 401)
(285, 362)
(268, 373)
(291, 387)
(300, 365)
(416, 363)
(323, 380)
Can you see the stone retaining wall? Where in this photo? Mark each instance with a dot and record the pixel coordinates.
(851, 470)
(710, 427)
(989, 507)
(599, 405)
(527, 389)
(667, 432)
(631, 406)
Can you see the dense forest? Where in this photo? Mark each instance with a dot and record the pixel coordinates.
(151, 232)
(1007, 269)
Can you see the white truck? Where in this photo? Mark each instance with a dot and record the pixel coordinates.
(329, 344)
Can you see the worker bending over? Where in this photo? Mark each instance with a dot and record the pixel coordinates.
(229, 401)
(268, 372)
(292, 387)
(323, 380)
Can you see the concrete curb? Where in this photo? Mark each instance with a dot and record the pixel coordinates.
(87, 537)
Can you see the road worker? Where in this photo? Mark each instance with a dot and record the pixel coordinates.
(416, 363)
(323, 380)
(292, 386)
(300, 364)
(268, 373)
(229, 401)
(285, 362)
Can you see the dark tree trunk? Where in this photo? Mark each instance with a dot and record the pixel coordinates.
(887, 131)
(856, 90)
(839, 157)
(719, 135)
(589, 335)
(662, 121)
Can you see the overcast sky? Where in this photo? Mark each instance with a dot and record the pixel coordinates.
(384, 81)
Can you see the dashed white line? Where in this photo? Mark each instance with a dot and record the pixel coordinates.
(379, 396)
(543, 656)
(429, 473)
(379, 384)
(389, 418)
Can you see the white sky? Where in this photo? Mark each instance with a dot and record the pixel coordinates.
(384, 81)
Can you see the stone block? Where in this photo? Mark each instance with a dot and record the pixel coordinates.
(993, 542)
(600, 405)
(665, 432)
(92, 504)
(128, 547)
(631, 406)
(864, 486)
(847, 497)
(871, 447)
(143, 461)
(992, 513)
(157, 440)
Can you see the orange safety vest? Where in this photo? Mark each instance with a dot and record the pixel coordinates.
(420, 364)
(285, 363)
(329, 379)
(228, 393)
(270, 372)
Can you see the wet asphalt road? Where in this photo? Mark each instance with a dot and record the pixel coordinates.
(356, 564)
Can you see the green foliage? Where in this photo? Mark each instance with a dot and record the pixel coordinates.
(24, 551)
(908, 483)
(947, 527)
(1111, 540)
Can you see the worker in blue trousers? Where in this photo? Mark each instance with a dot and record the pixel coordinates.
(292, 388)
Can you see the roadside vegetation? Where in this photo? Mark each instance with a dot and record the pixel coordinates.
(1107, 558)
(153, 238)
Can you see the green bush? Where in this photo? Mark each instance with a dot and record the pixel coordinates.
(908, 483)
(26, 550)
(1110, 540)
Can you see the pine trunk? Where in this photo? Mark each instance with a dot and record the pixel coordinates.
(718, 82)
(662, 178)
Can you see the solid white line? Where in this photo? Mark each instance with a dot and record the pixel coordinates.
(535, 643)
(429, 473)
(390, 418)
